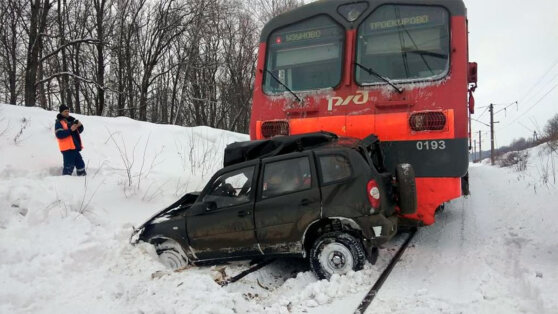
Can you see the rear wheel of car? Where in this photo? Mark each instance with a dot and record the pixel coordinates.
(171, 254)
(407, 189)
(336, 253)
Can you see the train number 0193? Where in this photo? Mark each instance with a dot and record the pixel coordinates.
(431, 145)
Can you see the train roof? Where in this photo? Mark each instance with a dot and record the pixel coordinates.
(455, 8)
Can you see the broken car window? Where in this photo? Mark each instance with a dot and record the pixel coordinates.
(233, 188)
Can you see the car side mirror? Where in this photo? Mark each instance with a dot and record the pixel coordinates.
(211, 205)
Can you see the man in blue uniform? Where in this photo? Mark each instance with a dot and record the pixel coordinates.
(67, 130)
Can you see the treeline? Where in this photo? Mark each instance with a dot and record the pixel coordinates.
(549, 134)
(184, 62)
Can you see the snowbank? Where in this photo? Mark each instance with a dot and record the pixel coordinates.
(64, 240)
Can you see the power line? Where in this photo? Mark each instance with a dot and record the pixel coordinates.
(513, 103)
(539, 80)
(536, 103)
(523, 125)
(480, 122)
(485, 111)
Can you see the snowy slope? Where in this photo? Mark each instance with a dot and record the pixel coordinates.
(64, 240)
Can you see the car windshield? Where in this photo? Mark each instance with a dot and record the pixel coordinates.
(304, 56)
(403, 42)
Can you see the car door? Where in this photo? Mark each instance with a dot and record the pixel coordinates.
(343, 188)
(221, 223)
(288, 201)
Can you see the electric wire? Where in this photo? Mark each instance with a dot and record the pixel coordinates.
(533, 106)
(539, 80)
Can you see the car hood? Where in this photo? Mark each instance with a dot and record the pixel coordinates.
(174, 209)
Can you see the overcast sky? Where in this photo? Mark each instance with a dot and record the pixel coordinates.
(515, 44)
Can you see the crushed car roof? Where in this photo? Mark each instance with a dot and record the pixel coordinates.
(249, 150)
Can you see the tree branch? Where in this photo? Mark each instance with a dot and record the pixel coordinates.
(70, 43)
(83, 79)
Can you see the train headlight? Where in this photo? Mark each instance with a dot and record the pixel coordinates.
(351, 12)
(274, 128)
(427, 121)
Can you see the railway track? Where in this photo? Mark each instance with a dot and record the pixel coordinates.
(368, 298)
(245, 273)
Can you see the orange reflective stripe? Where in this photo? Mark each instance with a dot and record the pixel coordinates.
(66, 143)
(387, 126)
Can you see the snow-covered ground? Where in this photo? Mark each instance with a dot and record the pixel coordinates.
(64, 240)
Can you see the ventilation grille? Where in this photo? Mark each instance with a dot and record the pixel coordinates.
(274, 128)
(427, 121)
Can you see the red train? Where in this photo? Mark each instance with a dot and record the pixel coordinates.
(398, 69)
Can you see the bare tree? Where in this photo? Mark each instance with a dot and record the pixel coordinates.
(10, 37)
(37, 27)
(62, 20)
(551, 128)
(164, 22)
(100, 28)
(185, 62)
(239, 50)
(265, 10)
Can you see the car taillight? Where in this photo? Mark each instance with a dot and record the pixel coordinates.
(274, 128)
(427, 121)
(373, 194)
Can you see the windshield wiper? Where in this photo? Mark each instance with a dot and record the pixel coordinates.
(376, 74)
(284, 85)
(428, 53)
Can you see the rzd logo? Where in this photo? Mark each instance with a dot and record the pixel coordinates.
(359, 99)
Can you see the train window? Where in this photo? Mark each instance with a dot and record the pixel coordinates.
(304, 56)
(403, 43)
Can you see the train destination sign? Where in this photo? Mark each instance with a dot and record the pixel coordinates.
(415, 20)
(308, 34)
(313, 34)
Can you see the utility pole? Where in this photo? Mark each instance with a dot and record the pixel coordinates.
(480, 146)
(492, 134)
(474, 150)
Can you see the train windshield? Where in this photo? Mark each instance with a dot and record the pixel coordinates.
(304, 56)
(403, 43)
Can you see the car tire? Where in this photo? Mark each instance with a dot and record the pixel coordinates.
(171, 254)
(407, 189)
(336, 253)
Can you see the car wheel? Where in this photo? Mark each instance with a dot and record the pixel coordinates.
(336, 253)
(171, 254)
(407, 189)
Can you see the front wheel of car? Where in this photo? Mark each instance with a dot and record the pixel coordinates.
(171, 254)
(336, 253)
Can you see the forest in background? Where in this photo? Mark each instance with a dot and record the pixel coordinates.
(182, 62)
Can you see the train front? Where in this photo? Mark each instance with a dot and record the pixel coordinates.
(398, 69)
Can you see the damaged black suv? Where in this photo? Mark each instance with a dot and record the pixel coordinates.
(313, 195)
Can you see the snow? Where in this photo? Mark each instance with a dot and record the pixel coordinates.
(65, 249)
